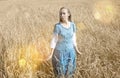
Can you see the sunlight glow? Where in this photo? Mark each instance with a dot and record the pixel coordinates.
(33, 55)
(97, 15)
(104, 11)
(22, 62)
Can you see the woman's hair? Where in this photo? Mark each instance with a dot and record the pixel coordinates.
(69, 18)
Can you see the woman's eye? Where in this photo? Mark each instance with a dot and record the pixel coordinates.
(64, 13)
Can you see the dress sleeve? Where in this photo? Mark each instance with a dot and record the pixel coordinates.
(74, 39)
(74, 35)
(56, 29)
(55, 36)
(74, 27)
(54, 40)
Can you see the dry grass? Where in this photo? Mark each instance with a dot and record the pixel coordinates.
(26, 30)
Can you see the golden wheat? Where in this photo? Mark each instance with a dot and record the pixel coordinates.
(26, 28)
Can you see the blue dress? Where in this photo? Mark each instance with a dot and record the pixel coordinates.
(64, 56)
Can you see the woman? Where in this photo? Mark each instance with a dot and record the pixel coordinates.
(64, 45)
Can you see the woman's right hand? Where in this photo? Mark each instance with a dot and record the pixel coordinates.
(50, 56)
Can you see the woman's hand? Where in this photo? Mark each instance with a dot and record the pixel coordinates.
(50, 56)
(77, 50)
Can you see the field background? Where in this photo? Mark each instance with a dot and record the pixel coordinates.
(26, 28)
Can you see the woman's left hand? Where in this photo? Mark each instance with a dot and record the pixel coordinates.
(79, 52)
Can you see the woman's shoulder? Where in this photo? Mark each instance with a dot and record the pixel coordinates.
(57, 25)
(72, 23)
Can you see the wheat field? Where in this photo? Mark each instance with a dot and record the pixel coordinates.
(26, 28)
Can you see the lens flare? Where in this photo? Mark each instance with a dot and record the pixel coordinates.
(109, 8)
(97, 15)
(33, 54)
(104, 11)
(22, 62)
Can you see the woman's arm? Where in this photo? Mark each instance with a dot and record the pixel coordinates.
(53, 44)
(54, 41)
(75, 43)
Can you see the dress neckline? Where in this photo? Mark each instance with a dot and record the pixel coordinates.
(66, 27)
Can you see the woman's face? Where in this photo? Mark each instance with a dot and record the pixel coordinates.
(64, 14)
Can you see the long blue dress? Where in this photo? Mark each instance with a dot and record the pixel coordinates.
(64, 56)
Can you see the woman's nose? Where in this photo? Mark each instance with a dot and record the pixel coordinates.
(62, 15)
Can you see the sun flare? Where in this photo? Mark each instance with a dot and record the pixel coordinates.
(104, 11)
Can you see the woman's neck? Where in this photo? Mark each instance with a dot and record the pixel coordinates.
(66, 24)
